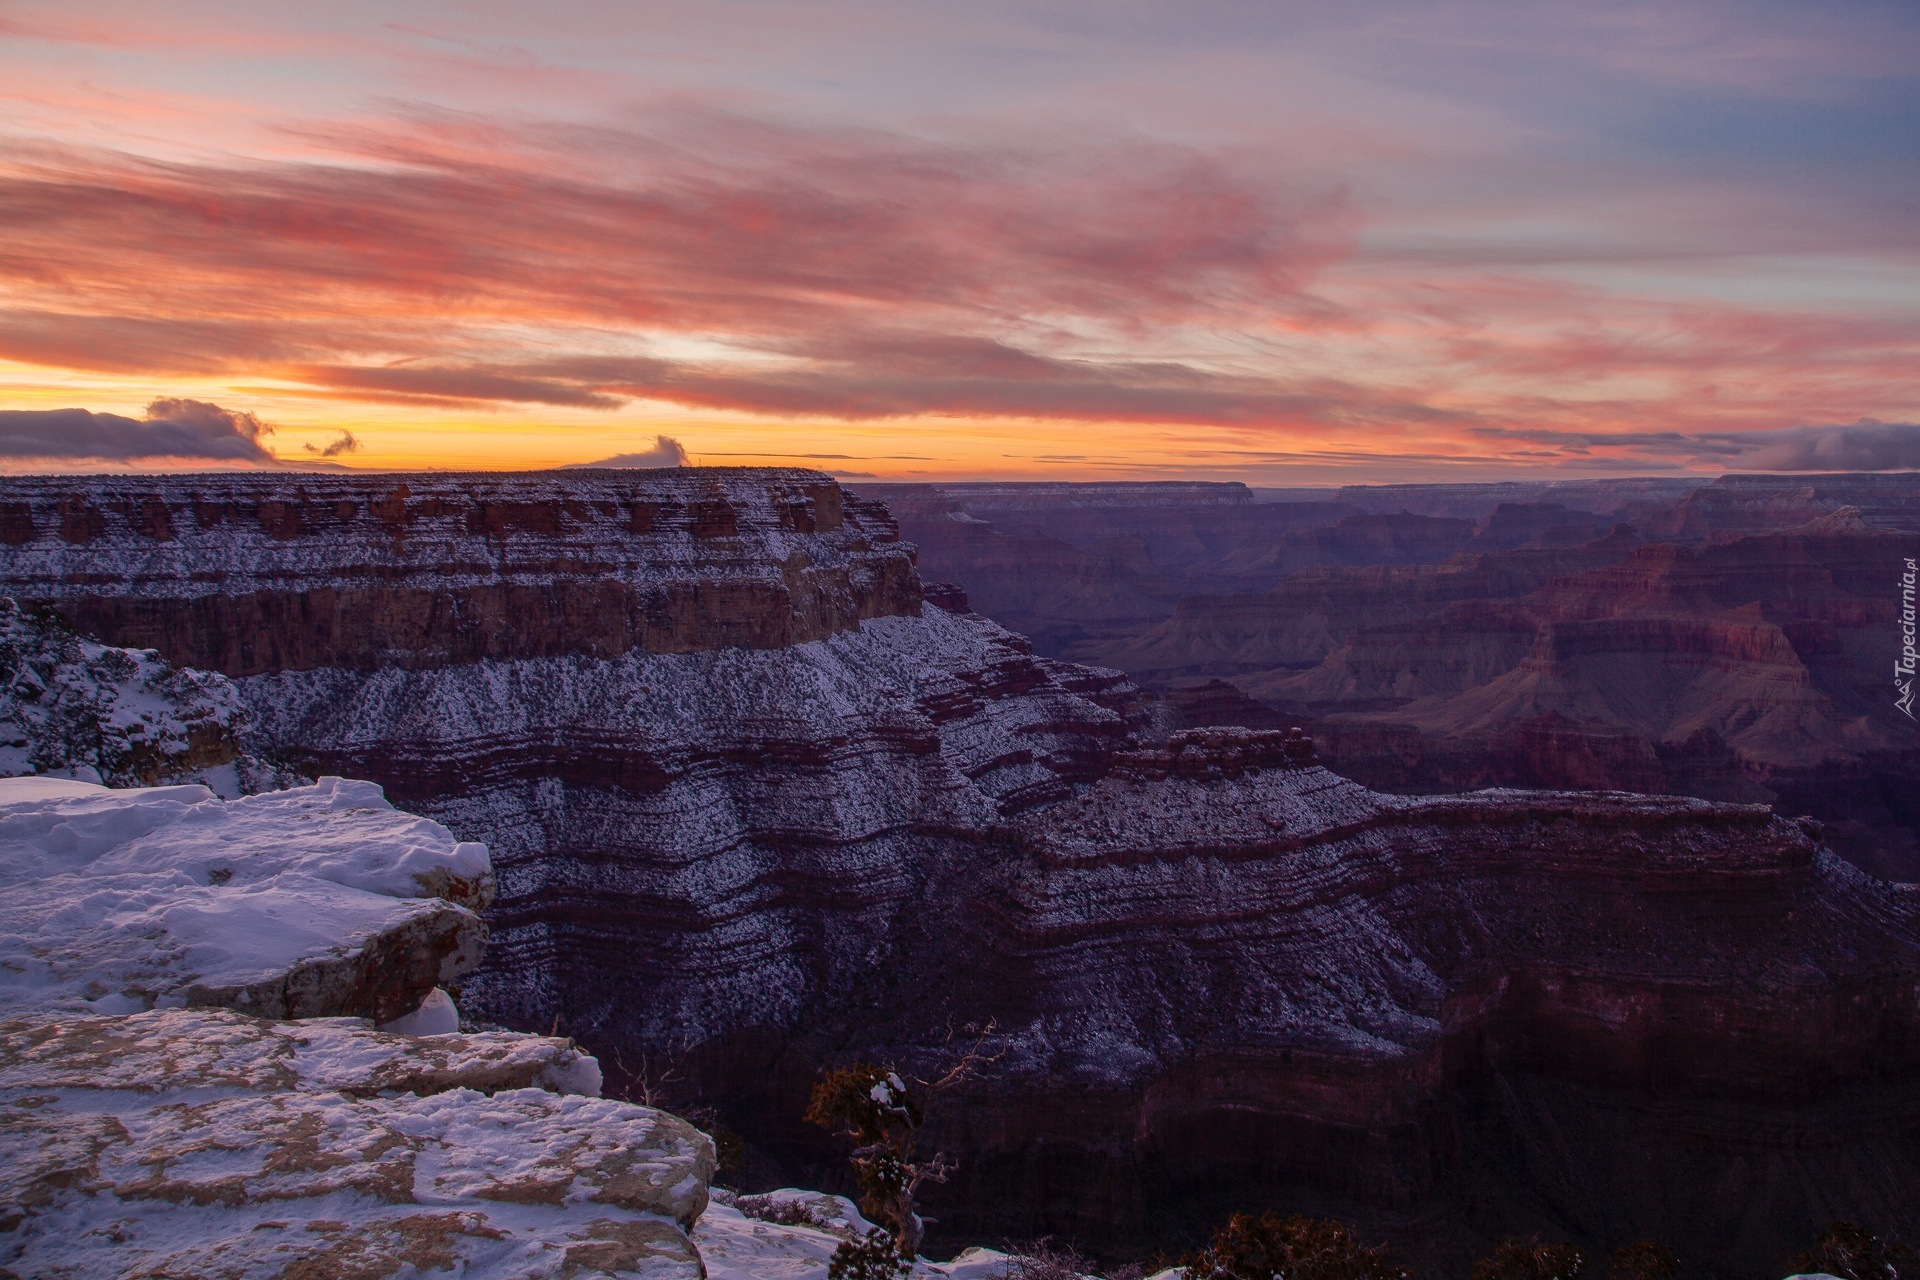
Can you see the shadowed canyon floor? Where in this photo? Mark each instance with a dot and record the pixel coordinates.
(755, 806)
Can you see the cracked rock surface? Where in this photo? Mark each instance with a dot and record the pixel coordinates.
(208, 1144)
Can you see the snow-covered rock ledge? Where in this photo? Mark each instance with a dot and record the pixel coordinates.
(317, 901)
(141, 1136)
(192, 1082)
(210, 1143)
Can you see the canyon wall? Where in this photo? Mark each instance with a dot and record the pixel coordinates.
(808, 817)
(244, 574)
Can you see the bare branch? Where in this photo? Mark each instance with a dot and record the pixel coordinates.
(971, 1063)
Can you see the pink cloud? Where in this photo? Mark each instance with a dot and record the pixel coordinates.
(860, 273)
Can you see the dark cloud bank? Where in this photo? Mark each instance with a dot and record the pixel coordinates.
(1866, 445)
(666, 452)
(185, 429)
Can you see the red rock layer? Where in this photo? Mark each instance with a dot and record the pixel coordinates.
(245, 574)
(1222, 977)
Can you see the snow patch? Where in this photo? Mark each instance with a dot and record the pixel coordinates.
(436, 1016)
(123, 899)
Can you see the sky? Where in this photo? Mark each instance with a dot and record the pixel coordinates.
(1286, 243)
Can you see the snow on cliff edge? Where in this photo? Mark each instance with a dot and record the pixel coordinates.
(320, 900)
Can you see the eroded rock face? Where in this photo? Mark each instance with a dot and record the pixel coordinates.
(311, 902)
(246, 574)
(1222, 976)
(210, 1144)
(125, 717)
(1748, 668)
(183, 1050)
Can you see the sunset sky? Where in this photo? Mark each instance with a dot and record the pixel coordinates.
(1288, 243)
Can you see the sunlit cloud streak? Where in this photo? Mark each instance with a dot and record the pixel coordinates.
(843, 274)
(728, 224)
(1458, 233)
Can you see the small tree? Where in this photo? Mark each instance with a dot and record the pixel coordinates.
(874, 1107)
(882, 1113)
(1271, 1247)
(1527, 1258)
(1642, 1260)
(1846, 1251)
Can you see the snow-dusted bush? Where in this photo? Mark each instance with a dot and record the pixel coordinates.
(782, 1212)
(1852, 1253)
(1529, 1258)
(873, 1256)
(1043, 1259)
(1272, 1247)
(125, 717)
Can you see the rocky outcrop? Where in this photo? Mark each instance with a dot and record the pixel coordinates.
(1738, 504)
(1746, 668)
(211, 1141)
(1297, 624)
(244, 574)
(121, 716)
(1079, 566)
(190, 1143)
(181, 1051)
(313, 902)
(1219, 975)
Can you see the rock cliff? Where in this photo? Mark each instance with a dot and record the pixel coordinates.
(1752, 667)
(243, 573)
(1221, 975)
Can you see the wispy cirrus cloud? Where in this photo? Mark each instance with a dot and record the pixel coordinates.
(836, 272)
(1456, 234)
(708, 221)
(851, 274)
(1866, 445)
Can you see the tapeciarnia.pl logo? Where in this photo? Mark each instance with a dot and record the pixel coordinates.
(1903, 665)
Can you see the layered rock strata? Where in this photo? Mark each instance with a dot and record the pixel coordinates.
(1754, 667)
(1219, 975)
(243, 574)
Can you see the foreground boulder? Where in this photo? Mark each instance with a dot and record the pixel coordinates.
(141, 1137)
(317, 901)
(198, 1143)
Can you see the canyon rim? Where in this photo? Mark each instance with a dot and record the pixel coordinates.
(760, 802)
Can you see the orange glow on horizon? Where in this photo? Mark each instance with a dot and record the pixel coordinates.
(525, 263)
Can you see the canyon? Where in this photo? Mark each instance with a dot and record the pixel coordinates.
(758, 800)
(1728, 639)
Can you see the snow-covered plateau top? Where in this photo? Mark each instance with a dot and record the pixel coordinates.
(203, 535)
